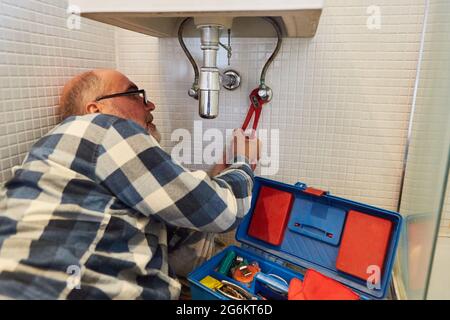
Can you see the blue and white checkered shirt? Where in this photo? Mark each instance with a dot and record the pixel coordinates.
(87, 214)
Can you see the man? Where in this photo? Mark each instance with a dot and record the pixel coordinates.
(86, 216)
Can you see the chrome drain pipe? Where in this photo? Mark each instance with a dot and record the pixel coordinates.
(209, 83)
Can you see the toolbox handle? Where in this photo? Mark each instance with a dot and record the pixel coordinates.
(311, 229)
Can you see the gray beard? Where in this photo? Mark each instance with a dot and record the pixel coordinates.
(155, 134)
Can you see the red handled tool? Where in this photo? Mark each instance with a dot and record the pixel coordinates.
(256, 103)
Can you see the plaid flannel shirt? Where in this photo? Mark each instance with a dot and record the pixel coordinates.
(86, 215)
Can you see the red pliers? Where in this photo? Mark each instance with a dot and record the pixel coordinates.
(256, 103)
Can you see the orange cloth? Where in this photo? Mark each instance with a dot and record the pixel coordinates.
(316, 286)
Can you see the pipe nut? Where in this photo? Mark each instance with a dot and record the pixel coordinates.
(231, 80)
(193, 93)
(265, 93)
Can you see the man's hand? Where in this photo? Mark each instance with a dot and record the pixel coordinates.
(219, 167)
(247, 146)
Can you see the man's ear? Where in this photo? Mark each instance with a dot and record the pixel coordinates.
(93, 107)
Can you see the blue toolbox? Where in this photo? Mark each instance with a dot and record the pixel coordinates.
(301, 243)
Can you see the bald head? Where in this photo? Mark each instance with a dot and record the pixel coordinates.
(80, 96)
(79, 91)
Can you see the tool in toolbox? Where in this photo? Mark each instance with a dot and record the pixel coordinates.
(270, 286)
(226, 263)
(329, 240)
(235, 292)
(246, 273)
(211, 283)
(238, 263)
(238, 268)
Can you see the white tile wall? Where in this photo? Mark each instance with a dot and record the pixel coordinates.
(38, 54)
(341, 100)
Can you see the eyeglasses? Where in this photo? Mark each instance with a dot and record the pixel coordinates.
(140, 92)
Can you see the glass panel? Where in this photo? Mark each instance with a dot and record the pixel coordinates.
(427, 158)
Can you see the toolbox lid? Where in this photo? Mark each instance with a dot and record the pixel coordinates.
(351, 242)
